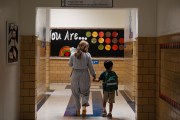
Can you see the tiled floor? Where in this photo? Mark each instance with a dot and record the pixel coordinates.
(59, 105)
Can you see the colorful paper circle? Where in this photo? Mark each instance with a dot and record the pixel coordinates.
(93, 40)
(101, 40)
(101, 34)
(108, 34)
(115, 34)
(100, 47)
(94, 34)
(107, 40)
(108, 47)
(88, 34)
(115, 47)
(114, 40)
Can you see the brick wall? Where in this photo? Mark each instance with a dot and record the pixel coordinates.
(142, 68)
(130, 63)
(146, 80)
(168, 76)
(47, 65)
(40, 68)
(27, 78)
(60, 71)
(34, 70)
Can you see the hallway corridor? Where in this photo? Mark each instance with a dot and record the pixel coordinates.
(59, 105)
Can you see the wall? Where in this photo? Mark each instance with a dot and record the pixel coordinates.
(28, 92)
(168, 29)
(134, 23)
(86, 18)
(147, 28)
(40, 70)
(41, 23)
(168, 17)
(146, 78)
(168, 75)
(98, 18)
(147, 14)
(10, 80)
(130, 64)
(34, 53)
(130, 54)
(60, 71)
(90, 18)
(41, 53)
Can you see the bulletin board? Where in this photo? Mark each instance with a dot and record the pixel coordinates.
(169, 73)
(102, 42)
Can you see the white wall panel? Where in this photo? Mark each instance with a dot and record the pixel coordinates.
(9, 73)
(146, 11)
(168, 17)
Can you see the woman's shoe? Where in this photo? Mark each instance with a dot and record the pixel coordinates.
(84, 112)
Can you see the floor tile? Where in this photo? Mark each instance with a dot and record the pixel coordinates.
(56, 105)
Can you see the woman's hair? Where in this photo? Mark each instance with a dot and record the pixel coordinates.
(82, 47)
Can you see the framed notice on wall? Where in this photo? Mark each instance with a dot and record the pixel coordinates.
(87, 3)
(12, 42)
(103, 42)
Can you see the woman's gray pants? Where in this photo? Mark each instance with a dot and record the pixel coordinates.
(80, 86)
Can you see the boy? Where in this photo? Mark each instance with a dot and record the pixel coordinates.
(110, 85)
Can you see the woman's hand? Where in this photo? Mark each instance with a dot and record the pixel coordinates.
(94, 79)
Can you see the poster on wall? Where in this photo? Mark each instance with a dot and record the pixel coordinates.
(12, 42)
(102, 42)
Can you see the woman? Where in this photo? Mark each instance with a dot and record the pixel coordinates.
(81, 63)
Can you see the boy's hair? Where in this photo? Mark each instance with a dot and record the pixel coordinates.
(108, 64)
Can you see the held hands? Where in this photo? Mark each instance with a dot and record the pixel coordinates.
(95, 80)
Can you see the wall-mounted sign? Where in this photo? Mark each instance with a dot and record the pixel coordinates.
(95, 61)
(12, 42)
(87, 3)
(102, 42)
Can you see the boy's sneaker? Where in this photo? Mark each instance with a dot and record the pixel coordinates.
(104, 114)
(109, 115)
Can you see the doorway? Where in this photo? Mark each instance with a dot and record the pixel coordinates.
(49, 72)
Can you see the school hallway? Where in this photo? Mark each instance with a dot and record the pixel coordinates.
(140, 37)
(59, 105)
